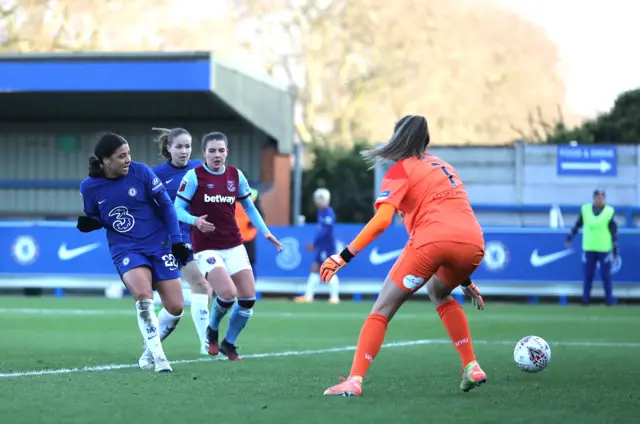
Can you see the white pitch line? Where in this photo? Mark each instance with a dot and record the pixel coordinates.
(112, 367)
(332, 315)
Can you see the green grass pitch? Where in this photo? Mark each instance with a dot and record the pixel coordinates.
(296, 351)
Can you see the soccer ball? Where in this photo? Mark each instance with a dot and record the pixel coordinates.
(532, 354)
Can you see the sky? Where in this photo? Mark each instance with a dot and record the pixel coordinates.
(598, 44)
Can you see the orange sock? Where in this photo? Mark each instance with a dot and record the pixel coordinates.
(455, 321)
(369, 344)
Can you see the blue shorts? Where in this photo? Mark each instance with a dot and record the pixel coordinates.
(322, 253)
(162, 264)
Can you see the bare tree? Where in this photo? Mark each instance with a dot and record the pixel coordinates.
(473, 68)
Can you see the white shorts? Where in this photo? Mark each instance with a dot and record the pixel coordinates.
(234, 260)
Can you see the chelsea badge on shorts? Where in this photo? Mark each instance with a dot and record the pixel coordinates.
(496, 256)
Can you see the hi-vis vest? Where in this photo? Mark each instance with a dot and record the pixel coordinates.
(247, 231)
(596, 236)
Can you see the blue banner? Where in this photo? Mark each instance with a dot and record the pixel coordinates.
(594, 161)
(134, 75)
(512, 254)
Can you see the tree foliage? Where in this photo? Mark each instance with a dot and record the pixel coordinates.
(620, 125)
(345, 174)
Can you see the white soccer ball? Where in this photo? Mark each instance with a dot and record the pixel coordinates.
(532, 354)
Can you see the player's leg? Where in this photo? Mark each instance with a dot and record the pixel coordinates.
(165, 274)
(461, 261)
(590, 262)
(239, 268)
(201, 292)
(171, 294)
(606, 262)
(314, 278)
(135, 271)
(212, 267)
(406, 277)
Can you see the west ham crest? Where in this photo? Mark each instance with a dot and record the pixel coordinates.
(231, 186)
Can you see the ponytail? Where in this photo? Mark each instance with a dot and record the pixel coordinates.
(163, 142)
(95, 167)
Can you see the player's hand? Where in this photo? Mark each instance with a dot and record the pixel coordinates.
(330, 267)
(309, 247)
(476, 299)
(86, 224)
(274, 240)
(203, 225)
(181, 252)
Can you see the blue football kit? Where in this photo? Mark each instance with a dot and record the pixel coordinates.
(139, 219)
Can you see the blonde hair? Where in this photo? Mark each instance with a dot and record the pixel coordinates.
(166, 138)
(323, 193)
(410, 139)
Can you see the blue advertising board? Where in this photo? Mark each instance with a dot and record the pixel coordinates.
(513, 255)
(596, 161)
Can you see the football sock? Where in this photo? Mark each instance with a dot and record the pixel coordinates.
(187, 296)
(219, 310)
(200, 315)
(455, 321)
(167, 323)
(369, 344)
(239, 318)
(334, 287)
(148, 324)
(312, 282)
(157, 301)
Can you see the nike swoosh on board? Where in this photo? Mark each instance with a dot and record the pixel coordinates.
(538, 261)
(67, 254)
(379, 258)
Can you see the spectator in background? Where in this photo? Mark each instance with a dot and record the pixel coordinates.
(599, 243)
(248, 230)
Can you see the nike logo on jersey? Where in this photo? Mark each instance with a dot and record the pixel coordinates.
(101, 201)
(168, 181)
(66, 254)
(380, 258)
(538, 261)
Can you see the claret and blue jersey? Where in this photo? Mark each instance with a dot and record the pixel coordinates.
(325, 243)
(171, 176)
(206, 192)
(139, 218)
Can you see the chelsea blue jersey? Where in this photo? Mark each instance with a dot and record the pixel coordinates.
(127, 209)
(326, 220)
(171, 176)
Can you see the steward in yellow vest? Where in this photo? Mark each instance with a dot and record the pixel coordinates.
(599, 243)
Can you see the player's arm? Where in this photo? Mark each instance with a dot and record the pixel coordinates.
(575, 229)
(613, 229)
(91, 220)
(187, 190)
(244, 197)
(162, 201)
(376, 226)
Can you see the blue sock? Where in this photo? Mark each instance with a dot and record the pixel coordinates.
(219, 310)
(239, 318)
